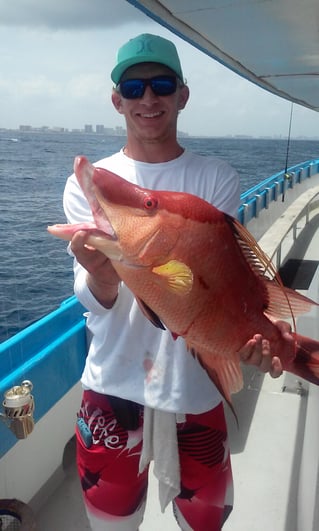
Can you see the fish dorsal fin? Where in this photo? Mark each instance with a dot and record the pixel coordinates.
(255, 256)
(176, 276)
(261, 264)
(284, 301)
(150, 314)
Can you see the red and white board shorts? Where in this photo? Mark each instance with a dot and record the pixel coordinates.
(115, 492)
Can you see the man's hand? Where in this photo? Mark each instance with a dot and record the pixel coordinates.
(102, 279)
(257, 351)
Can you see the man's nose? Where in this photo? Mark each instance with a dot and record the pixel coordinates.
(149, 96)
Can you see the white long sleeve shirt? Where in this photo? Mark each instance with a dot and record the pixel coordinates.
(128, 357)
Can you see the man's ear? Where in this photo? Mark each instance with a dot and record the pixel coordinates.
(117, 101)
(183, 97)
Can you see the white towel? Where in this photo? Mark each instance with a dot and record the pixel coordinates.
(160, 444)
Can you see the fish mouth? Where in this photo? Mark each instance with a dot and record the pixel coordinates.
(102, 222)
(84, 172)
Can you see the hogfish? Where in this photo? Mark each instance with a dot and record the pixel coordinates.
(195, 271)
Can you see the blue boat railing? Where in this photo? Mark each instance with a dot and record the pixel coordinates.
(51, 352)
(260, 196)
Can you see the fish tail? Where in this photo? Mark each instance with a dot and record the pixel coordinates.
(306, 361)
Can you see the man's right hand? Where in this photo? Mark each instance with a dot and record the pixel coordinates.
(102, 279)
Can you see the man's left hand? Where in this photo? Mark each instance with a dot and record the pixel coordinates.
(257, 351)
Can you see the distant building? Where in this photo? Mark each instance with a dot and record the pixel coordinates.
(100, 129)
(109, 131)
(181, 134)
(120, 131)
(88, 128)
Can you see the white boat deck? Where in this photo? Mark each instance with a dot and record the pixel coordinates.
(267, 451)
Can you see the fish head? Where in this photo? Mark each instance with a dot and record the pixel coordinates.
(139, 221)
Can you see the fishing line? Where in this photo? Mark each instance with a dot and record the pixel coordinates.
(287, 175)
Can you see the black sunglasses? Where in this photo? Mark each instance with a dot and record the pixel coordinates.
(160, 85)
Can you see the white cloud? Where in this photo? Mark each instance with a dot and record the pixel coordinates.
(38, 86)
(85, 86)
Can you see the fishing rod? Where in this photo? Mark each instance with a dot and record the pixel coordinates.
(287, 176)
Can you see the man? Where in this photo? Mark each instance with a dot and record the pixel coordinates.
(133, 367)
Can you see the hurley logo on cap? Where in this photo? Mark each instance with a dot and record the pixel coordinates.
(145, 45)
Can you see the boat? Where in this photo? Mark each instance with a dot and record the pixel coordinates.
(275, 445)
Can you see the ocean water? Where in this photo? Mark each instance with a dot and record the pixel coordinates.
(36, 272)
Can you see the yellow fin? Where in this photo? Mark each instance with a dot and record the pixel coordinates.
(178, 276)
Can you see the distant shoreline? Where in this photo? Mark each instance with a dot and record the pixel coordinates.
(120, 132)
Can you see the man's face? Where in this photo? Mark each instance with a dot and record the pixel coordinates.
(151, 118)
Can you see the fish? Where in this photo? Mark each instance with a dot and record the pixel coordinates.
(195, 271)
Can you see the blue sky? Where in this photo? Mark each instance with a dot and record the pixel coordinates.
(55, 63)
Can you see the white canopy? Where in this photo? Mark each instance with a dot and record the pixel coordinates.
(273, 43)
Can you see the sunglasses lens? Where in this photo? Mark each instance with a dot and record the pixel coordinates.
(160, 85)
(164, 85)
(132, 88)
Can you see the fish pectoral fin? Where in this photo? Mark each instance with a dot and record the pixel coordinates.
(225, 372)
(150, 314)
(178, 277)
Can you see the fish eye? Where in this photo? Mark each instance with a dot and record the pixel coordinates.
(150, 202)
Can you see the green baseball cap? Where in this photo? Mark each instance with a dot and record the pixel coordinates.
(146, 48)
